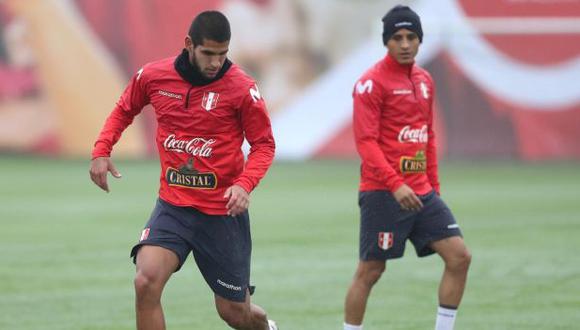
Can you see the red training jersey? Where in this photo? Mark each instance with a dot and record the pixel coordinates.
(200, 133)
(393, 128)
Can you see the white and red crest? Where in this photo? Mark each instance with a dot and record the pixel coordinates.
(209, 101)
(386, 240)
(144, 234)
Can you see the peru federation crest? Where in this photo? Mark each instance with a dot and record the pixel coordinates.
(385, 240)
(144, 234)
(209, 100)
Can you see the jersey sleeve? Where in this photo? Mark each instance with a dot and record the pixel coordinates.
(432, 165)
(366, 125)
(130, 104)
(258, 132)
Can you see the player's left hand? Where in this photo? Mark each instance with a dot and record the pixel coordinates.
(238, 200)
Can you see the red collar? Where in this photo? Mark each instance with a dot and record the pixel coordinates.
(392, 64)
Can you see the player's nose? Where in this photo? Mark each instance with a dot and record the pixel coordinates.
(216, 63)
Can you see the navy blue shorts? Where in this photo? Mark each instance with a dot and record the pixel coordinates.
(221, 245)
(385, 227)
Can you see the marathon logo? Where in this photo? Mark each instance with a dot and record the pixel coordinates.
(402, 91)
(229, 286)
(172, 95)
(412, 165)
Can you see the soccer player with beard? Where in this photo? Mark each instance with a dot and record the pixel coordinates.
(399, 188)
(205, 106)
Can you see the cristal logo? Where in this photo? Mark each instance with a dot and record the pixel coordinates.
(196, 146)
(416, 135)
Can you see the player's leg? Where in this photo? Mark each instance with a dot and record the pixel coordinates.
(159, 253)
(365, 277)
(436, 231)
(241, 315)
(154, 267)
(457, 259)
(222, 250)
(384, 228)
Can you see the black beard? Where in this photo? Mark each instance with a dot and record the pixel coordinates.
(192, 73)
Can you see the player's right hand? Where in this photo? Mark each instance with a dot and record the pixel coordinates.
(238, 200)
(100, 166)
(407, 198)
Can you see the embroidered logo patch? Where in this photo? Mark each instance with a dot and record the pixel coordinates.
(417, 164)
(255, 94)
(144, 234)
(385, 240)
(170, 94)
(424, 90)
(364, 87)
(209, 100)
(402, 91)
(189, 177)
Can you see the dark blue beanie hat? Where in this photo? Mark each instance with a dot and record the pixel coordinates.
(401, 17)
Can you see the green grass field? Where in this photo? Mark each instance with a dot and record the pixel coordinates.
(64, 249)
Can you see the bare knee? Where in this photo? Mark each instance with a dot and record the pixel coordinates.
(258, 312)
(459, 262)
(368, 273)
(154, 267)
(147, 285)
(236, 315)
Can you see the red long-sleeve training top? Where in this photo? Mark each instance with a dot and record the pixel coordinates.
(393, 128)
(200, 132)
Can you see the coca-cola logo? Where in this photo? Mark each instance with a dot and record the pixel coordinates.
(413, 135)
(196, 147)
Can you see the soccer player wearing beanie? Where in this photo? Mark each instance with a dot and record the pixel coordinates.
(399, 186)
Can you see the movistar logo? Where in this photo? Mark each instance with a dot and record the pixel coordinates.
(364, 87)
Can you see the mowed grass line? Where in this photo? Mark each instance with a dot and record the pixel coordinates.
(64, 248)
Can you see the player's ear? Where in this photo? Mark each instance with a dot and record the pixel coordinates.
(188, 43)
